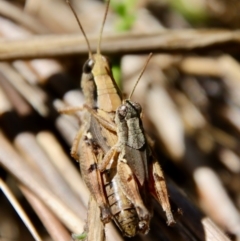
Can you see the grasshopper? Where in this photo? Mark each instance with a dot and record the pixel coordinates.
(136, 165)
(134, 150)
(114, 154)
(104, 187)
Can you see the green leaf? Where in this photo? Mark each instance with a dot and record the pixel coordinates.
(81, 236)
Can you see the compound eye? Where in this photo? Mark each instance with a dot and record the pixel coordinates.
(137, 106)
(122, 111)
(88, 66)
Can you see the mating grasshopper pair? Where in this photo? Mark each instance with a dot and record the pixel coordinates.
(116, 161)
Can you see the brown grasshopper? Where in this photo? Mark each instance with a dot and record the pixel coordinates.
(116, 187)
(96, 72)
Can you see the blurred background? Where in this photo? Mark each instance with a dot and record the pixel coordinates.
(190, 95)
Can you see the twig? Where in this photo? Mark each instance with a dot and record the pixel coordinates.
(54, 227)
(12, 12)
(181, 41)
(27, 144)
(56, 154)
(34, 182)
(19, 210)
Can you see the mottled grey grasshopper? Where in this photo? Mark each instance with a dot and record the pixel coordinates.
(134, 151)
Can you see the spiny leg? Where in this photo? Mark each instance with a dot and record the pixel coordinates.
(89, 156)
(161, 191)
(130, 188)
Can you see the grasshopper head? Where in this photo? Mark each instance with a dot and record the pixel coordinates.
(97, 65)
(130, 109)
(108, 94)
(101, 65)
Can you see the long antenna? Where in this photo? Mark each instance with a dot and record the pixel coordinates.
(140, 76)
(101, 30)
(81, 28)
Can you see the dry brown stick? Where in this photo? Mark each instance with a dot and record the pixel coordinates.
(200, 66)
(173, 138)
(62, 162)
(230, 160)
(162, 41)
(16, 14)
(27, 145)
(19, 209)
(34, 95)
(201, 227)
(13, 98)
(210, 191)
(5, 105)
(54, 227)
(28, 177)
